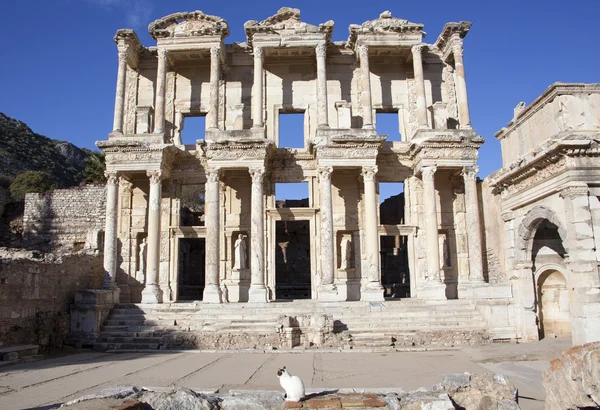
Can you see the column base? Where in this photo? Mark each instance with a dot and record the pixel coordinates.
(328, 293)
(152, 294)
(212, 294)
(433, 291)
(257, 294)
(372, 292)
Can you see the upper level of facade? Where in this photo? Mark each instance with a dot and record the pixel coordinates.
(286, 67)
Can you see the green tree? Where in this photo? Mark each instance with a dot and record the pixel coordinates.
(95, 167)
(31, 181)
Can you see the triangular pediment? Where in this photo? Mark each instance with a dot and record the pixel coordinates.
(385, 24)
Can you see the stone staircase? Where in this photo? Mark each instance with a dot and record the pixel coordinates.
(389, 325)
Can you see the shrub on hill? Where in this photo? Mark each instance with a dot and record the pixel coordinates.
(31, 181)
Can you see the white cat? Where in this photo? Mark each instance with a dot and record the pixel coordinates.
(293, 386)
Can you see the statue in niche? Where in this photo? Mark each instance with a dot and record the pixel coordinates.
(240, 253)
(346, 254)
(142, 260)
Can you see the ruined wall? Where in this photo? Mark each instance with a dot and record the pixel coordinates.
(490, 208)
(36, 291)
(65, 220)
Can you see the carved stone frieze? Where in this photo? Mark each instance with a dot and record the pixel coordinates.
(531, 176)
(413, 122)
(170, 103)
(384, 25)
(239, 149)
(574, 191)
(132, 78)
(191, 24)
(449, 91)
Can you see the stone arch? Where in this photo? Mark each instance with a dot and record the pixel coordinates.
(528, 227)
(552, 295)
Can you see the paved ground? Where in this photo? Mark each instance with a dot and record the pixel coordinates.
(42, 383)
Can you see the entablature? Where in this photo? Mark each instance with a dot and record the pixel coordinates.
(451, 35)
(135, 156)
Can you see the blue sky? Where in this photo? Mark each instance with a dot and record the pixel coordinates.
(59, 62)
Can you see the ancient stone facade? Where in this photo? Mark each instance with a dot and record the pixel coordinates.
(202, 221)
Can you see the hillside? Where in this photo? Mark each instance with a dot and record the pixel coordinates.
(22, 150)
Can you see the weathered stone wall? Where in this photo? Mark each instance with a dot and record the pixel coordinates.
(493, 239)
(36, 291)
(65, 220)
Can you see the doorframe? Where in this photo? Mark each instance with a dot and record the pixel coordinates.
(185, 232)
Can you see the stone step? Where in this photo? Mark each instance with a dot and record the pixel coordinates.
(125, 346)
(132, 339)
(14, 352)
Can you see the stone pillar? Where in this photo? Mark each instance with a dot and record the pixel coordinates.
(257, 95)
(327, 289)
(120, 94)
(322, 116)
(372, 290)
(473, 224)
(420, 85)
(431, 225)
(461, 83)
(152, 292)
(215, 74)
(212, 291)
(365, 86)
(161, 80)
(110, 235)
(258, 291)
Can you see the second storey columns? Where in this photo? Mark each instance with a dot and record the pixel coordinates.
(257, 91)
(161, 80)
(322, 115)
(363, 55)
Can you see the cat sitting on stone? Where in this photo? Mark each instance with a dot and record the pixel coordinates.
(293, 386)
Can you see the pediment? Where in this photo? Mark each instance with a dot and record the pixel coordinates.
(188, 24)
(385, 24)
(287, 23)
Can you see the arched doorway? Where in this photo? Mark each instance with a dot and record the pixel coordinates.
(553, 304)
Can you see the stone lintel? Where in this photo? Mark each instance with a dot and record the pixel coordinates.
(444, 42)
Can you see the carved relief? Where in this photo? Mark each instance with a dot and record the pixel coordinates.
(449, 90)
(170, 103)
(130, 100)
(413, 122)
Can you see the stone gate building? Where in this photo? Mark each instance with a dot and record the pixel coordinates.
(201, 221)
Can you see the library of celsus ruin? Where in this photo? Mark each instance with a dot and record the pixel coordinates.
(202, 219)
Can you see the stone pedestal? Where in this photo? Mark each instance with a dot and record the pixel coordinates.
(88, 314)
(433, 291)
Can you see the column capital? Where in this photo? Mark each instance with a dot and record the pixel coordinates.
(363, 50)
(123, 53)
(575, 190)
(213, 174)
(321, 49)
(457, 46)
(215, 52)
(163, 53)
(470, 172)
(418, 49)
(257, 174)
(112, 177)
(428, 172)
(369, 172)
(258, 52)
(155, 176)
(325, 173)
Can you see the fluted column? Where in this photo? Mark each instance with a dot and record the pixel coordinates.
(258, 291)
(473, 224)
(120, 93)
(161, 80)
(373, 291)
(212, 291)
(420, 85)
(257, 93)
(327, 289)
(152, 292)
(110, 233)
(363, 55)
(215, 70)
(461, 83)
(431, 225)
(322, 116)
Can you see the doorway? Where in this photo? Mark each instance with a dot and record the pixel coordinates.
(395, 276)
(292, 260)
(553, 299)
(191, 261)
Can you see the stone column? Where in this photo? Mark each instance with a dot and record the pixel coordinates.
(365, 82)
(152, 292)
(461, 83)
(212, 291)
(161, 80)
(327, 289)
(322, 116)
(473, 224)
(420, 85)
(258, 291)
(120, 94)
(110, 236)
(373, 291)
(431, 225)
(215, 74)
(257, 96)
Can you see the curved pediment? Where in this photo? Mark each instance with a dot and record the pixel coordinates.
(383, 25)
(286, 23)
(188, 24)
